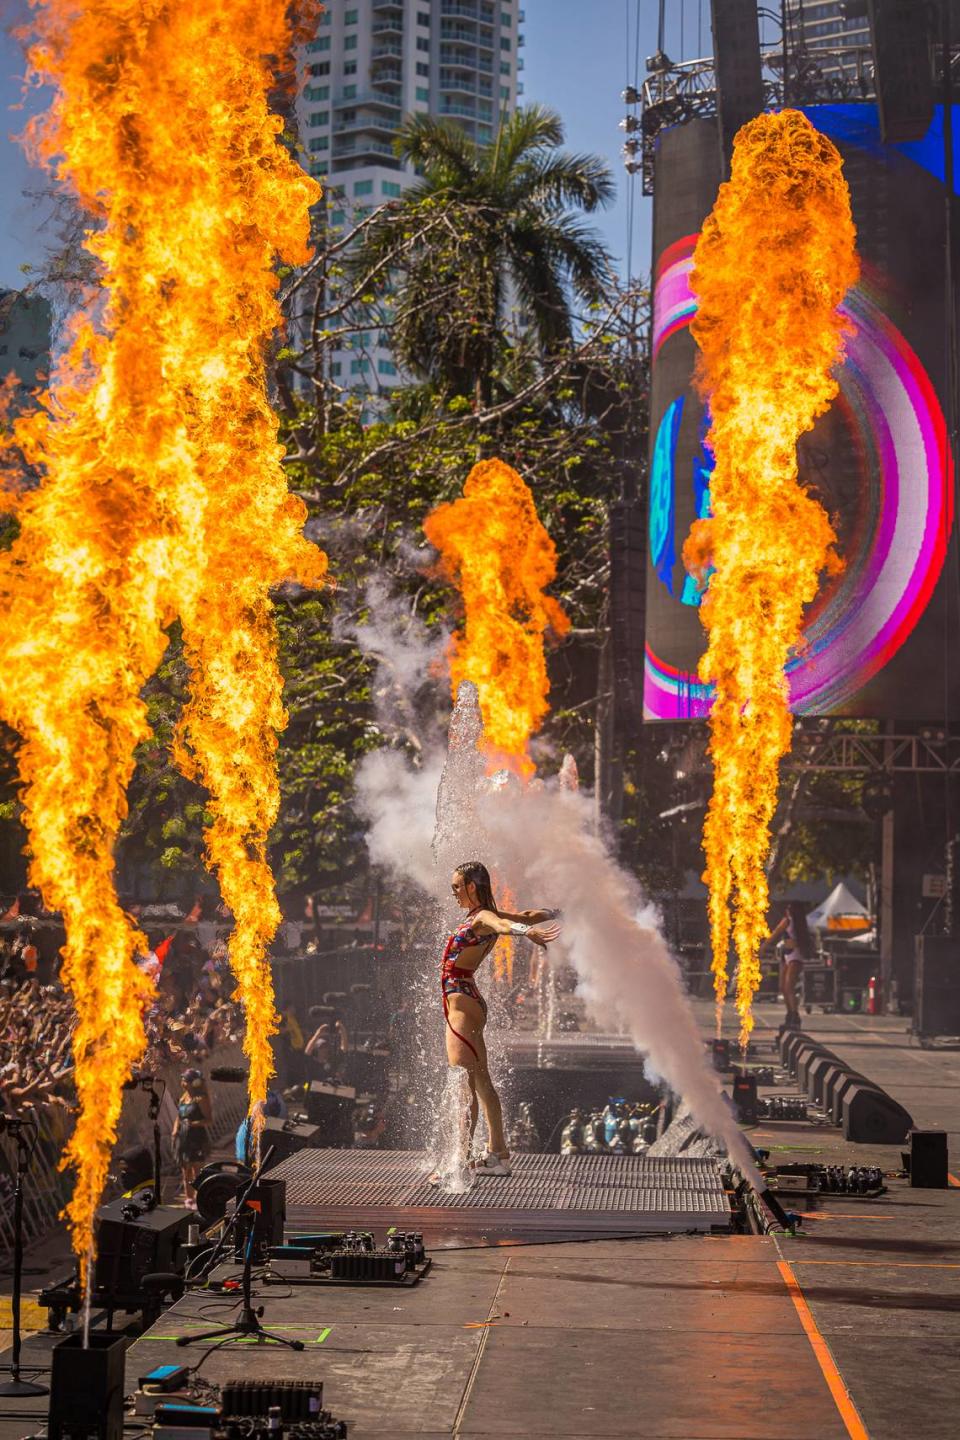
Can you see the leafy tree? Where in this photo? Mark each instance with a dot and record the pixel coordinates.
(506, 233)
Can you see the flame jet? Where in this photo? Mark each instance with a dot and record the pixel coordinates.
(772, 265)
(495, 550)
(161, 494)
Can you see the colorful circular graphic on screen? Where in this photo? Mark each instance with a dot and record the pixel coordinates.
(888, 406)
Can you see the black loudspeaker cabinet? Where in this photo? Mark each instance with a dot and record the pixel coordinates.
(936, 987)
(928, 1159)
(832, 1080)
(87, 1386)
(131, 1243)
(331, 1108)
(845, 1084)
(817, 1072)
(287, 1138)
(791, 1042)
(871, 1117)
(807, 1061)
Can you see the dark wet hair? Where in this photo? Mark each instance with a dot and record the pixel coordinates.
(474, 872)
(797, 915)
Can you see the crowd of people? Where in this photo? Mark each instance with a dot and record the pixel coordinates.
(191, 1016)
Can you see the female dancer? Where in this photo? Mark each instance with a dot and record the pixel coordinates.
(797, 948)
(464, 1007)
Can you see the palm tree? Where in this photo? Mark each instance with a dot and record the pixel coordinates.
(487, 227)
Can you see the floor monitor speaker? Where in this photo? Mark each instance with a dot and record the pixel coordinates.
(872, 1117)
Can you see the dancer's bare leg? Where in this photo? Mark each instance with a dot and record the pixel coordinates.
(469, 1018)
(790, 988)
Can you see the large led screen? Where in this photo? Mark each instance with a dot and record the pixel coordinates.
(877, 640)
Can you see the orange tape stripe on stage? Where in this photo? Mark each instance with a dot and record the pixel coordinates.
(841, 1395)
(953, 1180)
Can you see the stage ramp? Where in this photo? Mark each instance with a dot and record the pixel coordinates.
(548, 1197)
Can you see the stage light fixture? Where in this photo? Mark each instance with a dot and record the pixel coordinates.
(658, 62)
(630, 123)
(630, 96)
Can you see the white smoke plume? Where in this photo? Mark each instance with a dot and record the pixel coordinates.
(544, 840)
(542, 837)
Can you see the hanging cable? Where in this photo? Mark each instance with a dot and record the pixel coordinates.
(632, 85)
(630, 186)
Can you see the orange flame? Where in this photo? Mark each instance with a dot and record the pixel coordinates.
(162, 495)
(771, 267)
(494, 548)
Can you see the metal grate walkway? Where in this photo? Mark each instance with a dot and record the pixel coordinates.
(546, 1194)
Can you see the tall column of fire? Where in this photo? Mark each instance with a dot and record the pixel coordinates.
(161, 494)
(772, 265)
(494, 548)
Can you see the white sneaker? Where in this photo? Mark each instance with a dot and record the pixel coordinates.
(491, 1164)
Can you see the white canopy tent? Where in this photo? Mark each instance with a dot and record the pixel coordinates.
(840, 911)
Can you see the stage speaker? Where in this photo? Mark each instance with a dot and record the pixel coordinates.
(928, 1159)
(87, 1387)
(131, 1243)
(331, 1107)
(805, 1062)
(736, 61)
(846, 1082)
(287, 1138)
(835, 1076)
(789, 1042)
(872, 1117)
(903, 37)
(817, 1071)
(628, 551)
(936, 985)
(794, 1044)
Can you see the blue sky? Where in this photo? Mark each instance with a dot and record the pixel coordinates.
(576, 60)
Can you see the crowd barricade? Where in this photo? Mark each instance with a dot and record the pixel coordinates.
(46, 1189)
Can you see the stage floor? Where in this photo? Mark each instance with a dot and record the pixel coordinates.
(548, 1197)
(685, 1337)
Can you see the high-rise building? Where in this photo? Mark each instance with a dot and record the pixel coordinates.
(836, 36)
(374, 62)
(25, 327)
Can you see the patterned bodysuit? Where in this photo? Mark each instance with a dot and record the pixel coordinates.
(455, 980)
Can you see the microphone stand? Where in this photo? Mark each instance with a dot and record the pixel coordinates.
(156, 1101)
(16, 1386)
(248, 1322)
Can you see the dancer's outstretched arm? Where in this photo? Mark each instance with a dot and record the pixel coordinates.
(540, 932)
(530, 917)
